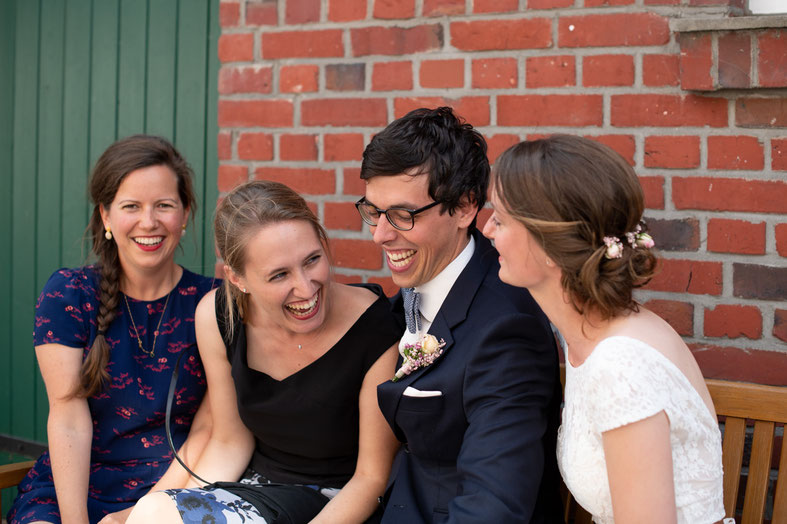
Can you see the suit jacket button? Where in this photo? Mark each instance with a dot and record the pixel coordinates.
(406, 448)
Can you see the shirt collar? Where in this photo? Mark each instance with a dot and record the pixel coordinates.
(433, 293)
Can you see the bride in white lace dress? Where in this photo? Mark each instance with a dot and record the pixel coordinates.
(639, 440)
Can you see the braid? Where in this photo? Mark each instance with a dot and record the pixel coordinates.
(94, 373)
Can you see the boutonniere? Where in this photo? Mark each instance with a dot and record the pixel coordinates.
(419, 355)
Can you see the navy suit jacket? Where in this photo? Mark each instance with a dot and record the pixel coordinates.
(484, 450)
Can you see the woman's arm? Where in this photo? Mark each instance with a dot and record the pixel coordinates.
(231, 444)
(376, 449)
(639, 466)
(69, 429)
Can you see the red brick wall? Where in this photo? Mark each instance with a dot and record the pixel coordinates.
(304, 84)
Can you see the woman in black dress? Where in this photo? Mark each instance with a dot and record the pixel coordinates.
(293, 360)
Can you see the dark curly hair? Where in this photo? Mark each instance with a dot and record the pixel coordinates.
(441, 145)
(571, 192)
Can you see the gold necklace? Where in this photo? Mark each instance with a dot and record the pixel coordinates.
(155, 333)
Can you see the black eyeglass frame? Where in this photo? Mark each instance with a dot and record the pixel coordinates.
(412, 213)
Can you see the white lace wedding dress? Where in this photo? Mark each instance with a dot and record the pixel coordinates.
(622, 381)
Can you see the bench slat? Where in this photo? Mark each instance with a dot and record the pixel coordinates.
(742, 399)
(732, 457)
(780, 493)
(759, 471)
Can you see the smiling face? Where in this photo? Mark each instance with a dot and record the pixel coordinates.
(523, 262)
(287, 276)
(416, 256)
(146, 218)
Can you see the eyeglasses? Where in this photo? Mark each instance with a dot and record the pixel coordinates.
(399, 217)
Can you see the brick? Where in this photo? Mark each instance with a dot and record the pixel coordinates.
(733, 321)
(255, 146)
(672, 152)
(298, 79)
(224, 145)
(747, 365)
(396, 40)
(735, 60)
(301, 11)
(696, 61)
(302, 44)
(759, 282)
(550, 71)
(772, 48)
(607, 70)
(634, 29)
(495, 6)
(687, 276)
(236, 47)
(667, 111)
(343, 147)
(495, 73)
(679, 315)
(660, 70)
(653, 187)
(392, 9)
(347, 279)
(662, 2)
(761, 112)
(251, 79)
(780, 324)
(345, 77)
(337, 112)
(549, 4)
(229, 14)
(341, 215)
(473, 109)
(606, 3)
(622, 144)
(255, 113)
(779, 154)
(736, 236)
(483, 216)
(230, 176)
(443, 7)
(780, 232)
(729, 194)
(357, 254)
(261, 13)
(550, 110)
(298, 147)
(442, 73)
(303, 180)
(735, 152)
(493, 35)
(387, 283)
(392, 76)
(675, 234)
(352, 183)
(346, 10)
(496, 144)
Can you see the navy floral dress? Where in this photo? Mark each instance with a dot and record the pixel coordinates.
(129, 451)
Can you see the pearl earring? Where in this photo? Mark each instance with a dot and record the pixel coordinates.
(549, 262)
(183, 230)
(108, 234)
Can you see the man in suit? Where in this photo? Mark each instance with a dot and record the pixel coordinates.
(478, 424)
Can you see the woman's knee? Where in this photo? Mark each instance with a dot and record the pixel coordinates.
(154, 507)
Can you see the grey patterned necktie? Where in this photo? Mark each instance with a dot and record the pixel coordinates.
(412, 303)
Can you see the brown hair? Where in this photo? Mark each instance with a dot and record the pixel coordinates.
(120, 159)
(240, 215)
(571, 192)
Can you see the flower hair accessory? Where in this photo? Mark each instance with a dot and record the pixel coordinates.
(419, 355)
(637, 238)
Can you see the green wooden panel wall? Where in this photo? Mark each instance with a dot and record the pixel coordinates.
(84, 73)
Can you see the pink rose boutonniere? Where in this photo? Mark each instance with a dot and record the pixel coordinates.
(419, 355)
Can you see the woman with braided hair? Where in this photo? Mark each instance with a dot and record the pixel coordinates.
(107, 337)
(639, 440)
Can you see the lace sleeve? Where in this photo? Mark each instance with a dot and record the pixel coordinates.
(624, 384)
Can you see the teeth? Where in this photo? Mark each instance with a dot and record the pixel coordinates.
(400, 259)
(148, 241)
(303, 307)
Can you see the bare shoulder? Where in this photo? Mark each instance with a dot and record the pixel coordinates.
(206, 309)
(356, 298)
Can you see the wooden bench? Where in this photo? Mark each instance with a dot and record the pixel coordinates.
(750, 413)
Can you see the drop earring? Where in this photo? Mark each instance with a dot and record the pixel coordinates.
(108, 234)
(183, 230)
